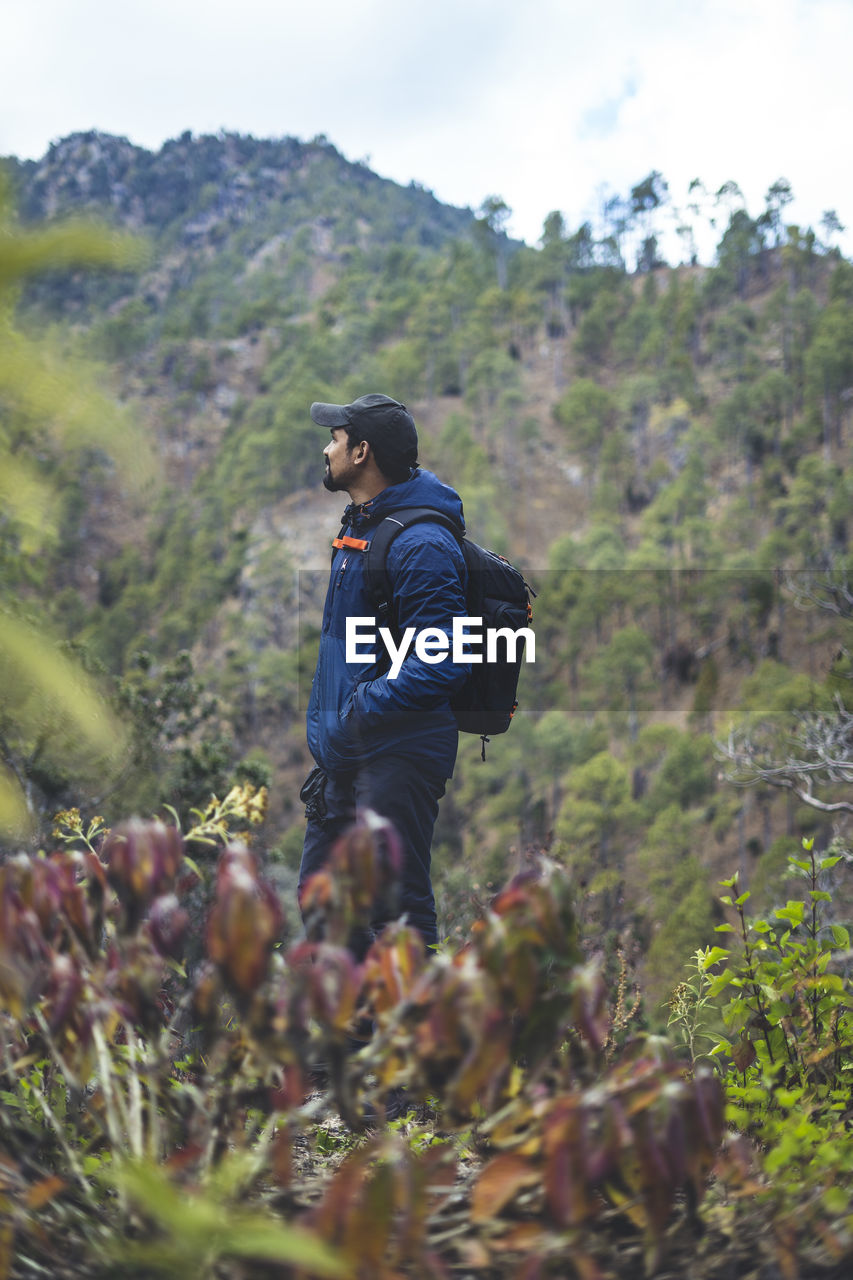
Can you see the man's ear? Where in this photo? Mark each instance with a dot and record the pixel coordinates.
(361, 452)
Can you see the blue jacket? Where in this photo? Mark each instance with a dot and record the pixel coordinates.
(355, 713)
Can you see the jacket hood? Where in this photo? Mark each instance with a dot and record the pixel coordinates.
(423, 489)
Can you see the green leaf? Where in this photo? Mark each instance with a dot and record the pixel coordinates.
(744, 897)
(826, 863)
(156, 1194)
(193, 866)
(174, 815)
(719, 983)
(33, 661)
(199, 1224)
(836, 1200)
(723, 928)
(840, 936)
(818, 895)
(792, 912)
(255, 1236)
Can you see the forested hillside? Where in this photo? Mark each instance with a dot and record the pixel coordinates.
(579, 1081)
(665, 450)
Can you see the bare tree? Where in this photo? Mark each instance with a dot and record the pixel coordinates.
(816, 753)
(830, 591)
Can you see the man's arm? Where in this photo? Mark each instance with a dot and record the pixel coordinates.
(427, 572)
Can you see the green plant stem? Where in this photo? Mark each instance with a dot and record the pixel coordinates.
(759, 1003)
(154, 1130)
(135, 1126)
(68, 1074)
(110, 1099)
(815, 999)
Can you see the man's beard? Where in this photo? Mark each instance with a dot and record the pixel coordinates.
(329, 481)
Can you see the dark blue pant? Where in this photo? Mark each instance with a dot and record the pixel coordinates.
(404, 793)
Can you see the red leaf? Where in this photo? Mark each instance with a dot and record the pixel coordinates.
(41, 1193)
(743, 1054)
(499, 1182)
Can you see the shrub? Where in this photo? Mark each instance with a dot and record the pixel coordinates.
(168, 1122)
(787, 1066)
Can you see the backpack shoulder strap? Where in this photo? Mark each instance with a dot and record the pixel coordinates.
(376, 577)
(336, 542)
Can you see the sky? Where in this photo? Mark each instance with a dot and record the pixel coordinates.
(549, 104)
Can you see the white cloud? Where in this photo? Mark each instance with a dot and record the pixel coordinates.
(543, 103)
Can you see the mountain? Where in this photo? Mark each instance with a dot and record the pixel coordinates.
(200, 189)
(215, 195)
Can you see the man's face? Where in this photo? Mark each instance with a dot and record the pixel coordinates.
(340, 468)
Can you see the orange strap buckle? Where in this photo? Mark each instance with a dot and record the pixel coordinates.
(355, 544)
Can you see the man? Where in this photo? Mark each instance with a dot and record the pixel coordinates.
(381, 740)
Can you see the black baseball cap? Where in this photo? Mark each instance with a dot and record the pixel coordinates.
(378, 419)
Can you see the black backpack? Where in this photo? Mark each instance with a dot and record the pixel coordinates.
(497, 593)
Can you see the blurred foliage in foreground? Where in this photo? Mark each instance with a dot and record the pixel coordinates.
(173, 1119)
(53, 721)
